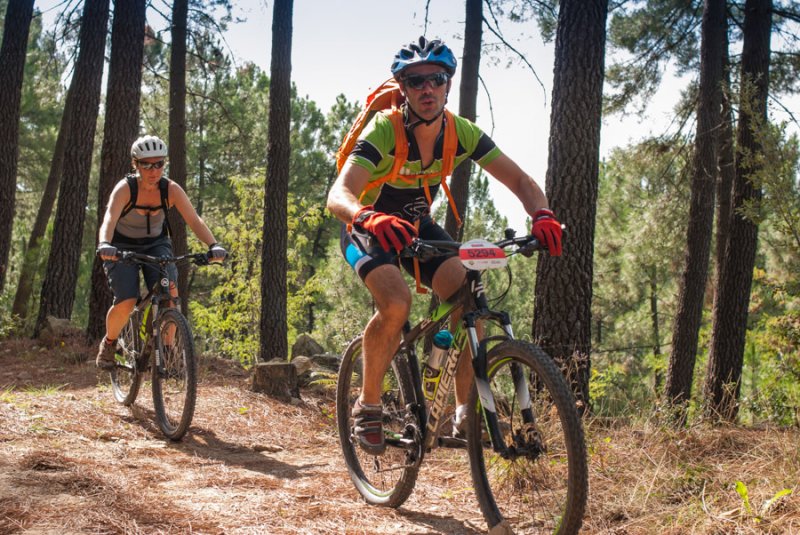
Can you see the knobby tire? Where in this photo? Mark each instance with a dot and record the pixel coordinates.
(126, 376)
(543, 486)
(175, 381)
(388, 479)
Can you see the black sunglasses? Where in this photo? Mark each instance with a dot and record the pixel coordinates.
(417, 81)
(147, 165)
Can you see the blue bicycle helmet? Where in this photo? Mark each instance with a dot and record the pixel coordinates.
(423, 52)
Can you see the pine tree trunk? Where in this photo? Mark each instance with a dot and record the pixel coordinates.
(121, 127)
(562, 314)
(61, 276)
(31, 262)
(727, 170)
(691, 295)
(177, 136)
(723, 381)
(12, 64)
(654, 321)
(467, 108)
(273, 329)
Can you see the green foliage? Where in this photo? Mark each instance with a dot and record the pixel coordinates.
(642, 205)
(758, 516)
(643, 37)
(11, 326)
(229, 322)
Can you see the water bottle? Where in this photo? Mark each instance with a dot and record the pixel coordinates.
(441, 344)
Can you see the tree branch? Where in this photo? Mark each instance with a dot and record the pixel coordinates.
(520, 55)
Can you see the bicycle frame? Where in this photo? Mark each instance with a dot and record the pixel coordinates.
(430, 419)
(157, 294)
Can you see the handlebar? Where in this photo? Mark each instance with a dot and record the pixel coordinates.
(200, 259)
(427, 249)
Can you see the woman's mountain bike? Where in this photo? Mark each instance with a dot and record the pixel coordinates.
(157, 338)
(523, 434)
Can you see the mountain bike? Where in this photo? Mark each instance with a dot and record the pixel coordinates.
(524, 436)
(157, 338)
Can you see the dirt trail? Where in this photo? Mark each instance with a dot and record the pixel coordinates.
(72, 460)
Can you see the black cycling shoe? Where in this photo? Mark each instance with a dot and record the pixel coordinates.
(368, 427)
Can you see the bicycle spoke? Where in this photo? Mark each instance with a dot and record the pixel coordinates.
(539, 484)
(386, 479)
(126, 377)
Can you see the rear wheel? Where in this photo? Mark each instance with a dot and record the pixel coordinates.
(126, 376)
(540, 486)
(386, 479)
(175, 377)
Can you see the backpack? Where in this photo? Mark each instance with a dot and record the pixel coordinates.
(163, 188)
(389, 97)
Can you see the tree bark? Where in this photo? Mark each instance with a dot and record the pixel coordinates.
(177, 136)
(467, 108)
(726, 356)
(12, 65)
(701, 213)
(562, 315)
(727, 169)
(31, 260)
(123, 92)
(654, 321)
(58, 287)
(273, 330)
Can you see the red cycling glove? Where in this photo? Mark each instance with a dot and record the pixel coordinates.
(547, 230)
(388, 229)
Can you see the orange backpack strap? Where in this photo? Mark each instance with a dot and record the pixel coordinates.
(400, 152)
(448, 160)
(417, 280)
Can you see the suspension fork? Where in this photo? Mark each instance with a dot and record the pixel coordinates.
(521, 391)
(163, 294)
(479, 365)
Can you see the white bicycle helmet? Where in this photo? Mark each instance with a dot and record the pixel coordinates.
(148, 147)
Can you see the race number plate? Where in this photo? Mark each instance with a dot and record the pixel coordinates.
(481, 254)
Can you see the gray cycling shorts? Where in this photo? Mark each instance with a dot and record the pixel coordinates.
(123, 278)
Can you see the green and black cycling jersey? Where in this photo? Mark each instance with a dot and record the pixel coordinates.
(375, 149)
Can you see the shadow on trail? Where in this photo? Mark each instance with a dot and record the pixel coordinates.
(205, 444)
(442, 524)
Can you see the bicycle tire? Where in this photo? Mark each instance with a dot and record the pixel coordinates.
(542, 486)
(388, 479)
(175, 380)
(126, 376)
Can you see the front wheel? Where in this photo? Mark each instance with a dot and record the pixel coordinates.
(540, 484)
(126, 376)
(174, 375)
(386, 479)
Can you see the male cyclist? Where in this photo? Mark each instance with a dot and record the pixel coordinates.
(397, 211)
(135, 220)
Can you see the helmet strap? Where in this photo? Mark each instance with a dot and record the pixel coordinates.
(427, 122)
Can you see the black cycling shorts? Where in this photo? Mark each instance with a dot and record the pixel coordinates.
(123, 278)
(369, 255)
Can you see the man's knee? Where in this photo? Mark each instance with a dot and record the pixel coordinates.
(449, 278)
(390, 292)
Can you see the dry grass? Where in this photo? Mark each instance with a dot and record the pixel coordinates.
(74, 461)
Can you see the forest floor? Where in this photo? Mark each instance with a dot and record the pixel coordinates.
(72, 460)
